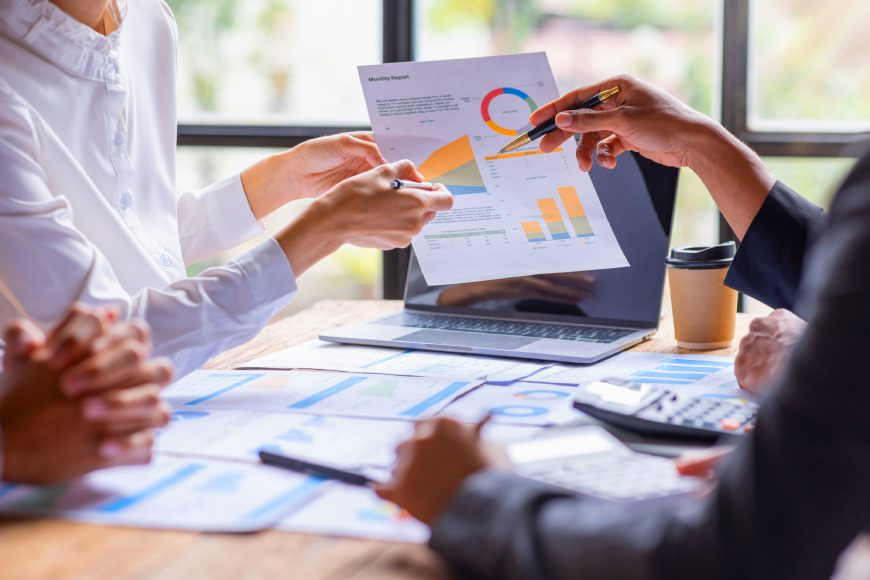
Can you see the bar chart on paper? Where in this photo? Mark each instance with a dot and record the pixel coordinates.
(318, 392)
(552, 215)
(525, 212)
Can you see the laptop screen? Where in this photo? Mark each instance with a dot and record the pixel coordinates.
(638, 198)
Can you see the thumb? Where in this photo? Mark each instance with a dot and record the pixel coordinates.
(405, 169)
(588, 120)
(22, 338)
(385, 491)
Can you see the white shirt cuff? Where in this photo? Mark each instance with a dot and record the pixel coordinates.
(268, 273)
(229, 212)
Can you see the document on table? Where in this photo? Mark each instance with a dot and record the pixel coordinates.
(693, 374)
(322, 355)
(338, 441)
(357, 513)
(172, 492)
(514, 214)
(317, 392)
(518, 403)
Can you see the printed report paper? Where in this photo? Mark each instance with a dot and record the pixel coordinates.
(332, 440)
(317, 392)
(321, 355)
(519, 213)
(692, 374)
(354, 512)
(171, 492)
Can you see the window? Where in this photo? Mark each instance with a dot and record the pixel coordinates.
(263, 62)
(251, 75)
(807, 76)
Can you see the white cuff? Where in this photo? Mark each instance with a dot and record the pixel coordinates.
(268, 273)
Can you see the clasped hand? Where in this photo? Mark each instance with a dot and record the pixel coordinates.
(82, 398)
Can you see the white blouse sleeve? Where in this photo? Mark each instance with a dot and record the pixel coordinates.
(46, 264)
(215, 219)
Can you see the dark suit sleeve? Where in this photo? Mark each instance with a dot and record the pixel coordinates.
(770, 261)
(790, 499)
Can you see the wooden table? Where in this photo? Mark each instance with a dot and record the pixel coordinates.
(61, 549)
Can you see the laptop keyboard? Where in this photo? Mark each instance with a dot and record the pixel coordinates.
(508, 327)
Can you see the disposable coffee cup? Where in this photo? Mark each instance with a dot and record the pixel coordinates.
(704, 309)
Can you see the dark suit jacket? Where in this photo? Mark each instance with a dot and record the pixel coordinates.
(792, 496)
(770, 262)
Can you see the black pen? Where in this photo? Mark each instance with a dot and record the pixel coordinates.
(550, 125)
(310, 468)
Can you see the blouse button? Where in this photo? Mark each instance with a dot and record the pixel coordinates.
(166, 260)
(119, 139)
(126, 200)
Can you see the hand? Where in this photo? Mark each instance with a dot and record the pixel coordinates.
(432, 465)
(703, 463)
(648, 120)
(764, 351)
(570, 288)
(48, 437)
(639, 118)
(308, 170)
(365, 211)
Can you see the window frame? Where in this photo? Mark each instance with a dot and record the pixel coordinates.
(398, 46)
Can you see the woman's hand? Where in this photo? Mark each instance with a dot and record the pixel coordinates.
(309, 170)
(365, 211)
(50, 435)
(648, 120)
(432, 465)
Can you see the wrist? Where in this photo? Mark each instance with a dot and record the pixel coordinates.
(705, 139)
(310, 237)
(270, 183)
(736, 177)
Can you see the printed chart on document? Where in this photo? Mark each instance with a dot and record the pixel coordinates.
(519, 213)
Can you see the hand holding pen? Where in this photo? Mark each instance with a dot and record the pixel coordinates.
(639, 118)
(548, 126)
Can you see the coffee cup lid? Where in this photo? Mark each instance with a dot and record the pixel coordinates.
(702, 257)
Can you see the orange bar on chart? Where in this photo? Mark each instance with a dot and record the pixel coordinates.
(533, 231)
(576, 213)
(550, 213)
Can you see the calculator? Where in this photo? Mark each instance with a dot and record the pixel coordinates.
(654, 410)
(591, 461)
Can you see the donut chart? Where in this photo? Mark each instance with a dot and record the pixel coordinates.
(519, 411)
(541, 395)
(487, 116)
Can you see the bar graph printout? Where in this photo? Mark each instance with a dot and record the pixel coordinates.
(518, 213)
(371, 359)
(171, 492)
(697, 375)
(318, 392)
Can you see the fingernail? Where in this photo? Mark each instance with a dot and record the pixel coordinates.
(95, 409)
(563, 120)
(111, 450)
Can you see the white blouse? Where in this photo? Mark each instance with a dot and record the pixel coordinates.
(88, 209)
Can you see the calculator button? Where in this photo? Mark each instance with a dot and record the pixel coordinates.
(730, 424)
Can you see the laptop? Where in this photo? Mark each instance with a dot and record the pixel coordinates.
(577, 317)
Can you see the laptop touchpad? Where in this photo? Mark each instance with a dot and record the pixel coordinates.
(470, 339)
